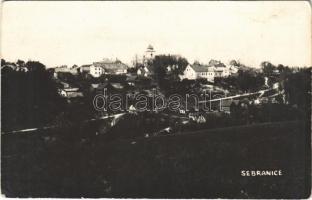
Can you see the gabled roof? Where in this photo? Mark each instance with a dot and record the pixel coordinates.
(74, 94)
(88, 65)
(107, 85)
(95, 85)
(150, 48)
(111, 66)
(219, 65)
(117, 85)
(131, 78)
(143, 71)
(199, 68)
(218, 70)
(71, 89)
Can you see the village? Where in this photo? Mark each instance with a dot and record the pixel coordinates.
(174, 94)
(203, 90)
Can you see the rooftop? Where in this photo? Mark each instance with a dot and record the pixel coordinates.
(150, 48)
(111, 65)
(201, 68)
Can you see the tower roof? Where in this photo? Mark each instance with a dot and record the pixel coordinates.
(150, 47)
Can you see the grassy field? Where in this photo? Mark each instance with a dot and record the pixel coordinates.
(202, 164)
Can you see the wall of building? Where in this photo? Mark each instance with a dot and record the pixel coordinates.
(96, 71)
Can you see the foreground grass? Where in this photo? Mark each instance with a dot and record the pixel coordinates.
(201, 164)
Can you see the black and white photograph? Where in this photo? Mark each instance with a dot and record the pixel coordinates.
(156, 99)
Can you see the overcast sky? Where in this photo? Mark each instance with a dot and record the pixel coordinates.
(77, 32)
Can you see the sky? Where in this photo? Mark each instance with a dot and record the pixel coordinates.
(76, 32)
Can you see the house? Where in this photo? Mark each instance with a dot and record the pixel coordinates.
(132, 109)
(64, 84)
(96, 70)
(70, 93)
(198, 118)
(169, 68)
(131, 79)
(85, 68)
(64, 76)
(182, 109)
(197, 71)
(143, 72)
(220, 69)
(201, 119)
(218, 72)
(107, 66)
(111, 88)
(65, 69)
(62, 68)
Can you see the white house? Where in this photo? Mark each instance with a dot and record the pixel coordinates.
(209, 72)
(70, 92)
(226, 72)
(196, 71)
(169, 68)
(96, 70)
(143, 72)
(189, 73)
(220, 69)
(65, 69)
(85, 68)
(108, 67)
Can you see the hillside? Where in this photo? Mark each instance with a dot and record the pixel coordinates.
(202, 164)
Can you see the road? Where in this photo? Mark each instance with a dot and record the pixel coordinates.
(114, 121)
(117, 116)
(261, 92)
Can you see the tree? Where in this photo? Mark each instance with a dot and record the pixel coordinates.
(29, 99)
(159, 67)
(245, 81)
(234, 63)
(162, 61)
(3, 62)
(297, 88)
(20, 63)
(35, 66)
(132, 70)
(267, 68)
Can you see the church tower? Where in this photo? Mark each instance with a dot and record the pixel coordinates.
(149, 53)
